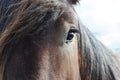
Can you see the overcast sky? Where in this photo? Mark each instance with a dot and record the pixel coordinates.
(102, 17)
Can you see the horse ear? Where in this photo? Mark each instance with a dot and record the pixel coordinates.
(73, 1)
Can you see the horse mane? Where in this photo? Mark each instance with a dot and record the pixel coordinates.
(96, 60)
(21, 19)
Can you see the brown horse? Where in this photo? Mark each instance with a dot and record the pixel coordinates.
(44, 40)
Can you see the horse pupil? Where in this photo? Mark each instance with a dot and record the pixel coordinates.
(70, 36)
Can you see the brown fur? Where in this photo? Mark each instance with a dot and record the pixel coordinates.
(33, 44)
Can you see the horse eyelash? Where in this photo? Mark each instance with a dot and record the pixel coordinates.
(74, 31)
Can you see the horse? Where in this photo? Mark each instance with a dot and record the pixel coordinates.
(45, 40)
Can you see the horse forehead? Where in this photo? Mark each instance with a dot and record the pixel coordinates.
(70, 16)
(68, 12)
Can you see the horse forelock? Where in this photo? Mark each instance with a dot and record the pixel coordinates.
(28, 17)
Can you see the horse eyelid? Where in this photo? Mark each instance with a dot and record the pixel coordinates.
(74, 31)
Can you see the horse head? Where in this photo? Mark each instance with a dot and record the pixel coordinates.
(44, 40)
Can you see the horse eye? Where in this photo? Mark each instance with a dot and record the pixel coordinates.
(70, 35)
